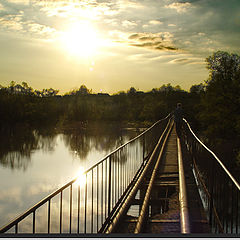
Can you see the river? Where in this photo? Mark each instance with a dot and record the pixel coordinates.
(35, 162)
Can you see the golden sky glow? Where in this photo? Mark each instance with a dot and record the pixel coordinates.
(113, 45)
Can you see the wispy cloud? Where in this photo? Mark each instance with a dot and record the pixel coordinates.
(157, 41)
(180, 7)
(188, 60)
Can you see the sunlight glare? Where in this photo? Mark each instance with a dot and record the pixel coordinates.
(80, 39)
(81, 177)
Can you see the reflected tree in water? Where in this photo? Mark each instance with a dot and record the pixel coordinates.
(19, 142)
(99, 136)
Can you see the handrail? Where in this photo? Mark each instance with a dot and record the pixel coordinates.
(214, 155)
(184, 213)
(142, 214)
(104, 162)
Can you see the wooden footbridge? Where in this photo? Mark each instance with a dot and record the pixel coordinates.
(157, 183)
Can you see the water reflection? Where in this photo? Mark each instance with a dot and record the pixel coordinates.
(44, 159)
(18, 143)
(81, 178)
(100, 137)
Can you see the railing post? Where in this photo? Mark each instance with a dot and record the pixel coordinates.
(109, 186)
(34, 221)
(70, 220)
(211, 196)
(49, 214)
(60, 220)
(143, 147)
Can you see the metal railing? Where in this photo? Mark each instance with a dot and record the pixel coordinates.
(84, 204)
(219, 191)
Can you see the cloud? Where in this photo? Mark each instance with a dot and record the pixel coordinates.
(156, 41)
(10, 24)
(126, 4)
(10, 195)
(1, 7)
(187, 60)
(152, 23)
(129, 24)
(180, 7)
(39, 189)
(155, 22)
(22, 2)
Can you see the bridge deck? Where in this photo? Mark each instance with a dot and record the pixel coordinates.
(164, 216)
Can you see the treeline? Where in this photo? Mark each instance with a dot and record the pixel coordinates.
(22, 104)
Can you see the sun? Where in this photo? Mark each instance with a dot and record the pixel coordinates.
(80, 39)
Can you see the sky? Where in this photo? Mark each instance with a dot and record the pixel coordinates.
(112, 45)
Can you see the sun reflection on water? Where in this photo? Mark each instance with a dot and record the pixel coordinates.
(81, 177)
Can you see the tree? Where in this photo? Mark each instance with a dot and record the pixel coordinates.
(132, 91)
(197, 88)
(83, 90)
(221, 102)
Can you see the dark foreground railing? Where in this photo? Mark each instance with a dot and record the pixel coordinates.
(85, 204)
(219, 191)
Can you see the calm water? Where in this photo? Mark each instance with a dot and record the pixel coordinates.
(34, 163)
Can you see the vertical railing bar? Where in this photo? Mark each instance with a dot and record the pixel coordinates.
(70, 220)
(115, 181)
(226, 206)
(232, 210)
(102, 196)
(97, 195)
(16, 228)
(110, 183)
(49, 213)
(85, 207)
(125, 169)
(237, 211)
(211, 196)
(118, 175)
(130, 162)
(143, 147)
(92, 205)
(218, 194)
(105, 189)
(78, 221)
(34, 217)
(222, 204)
(128, 154)
(60, 221)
